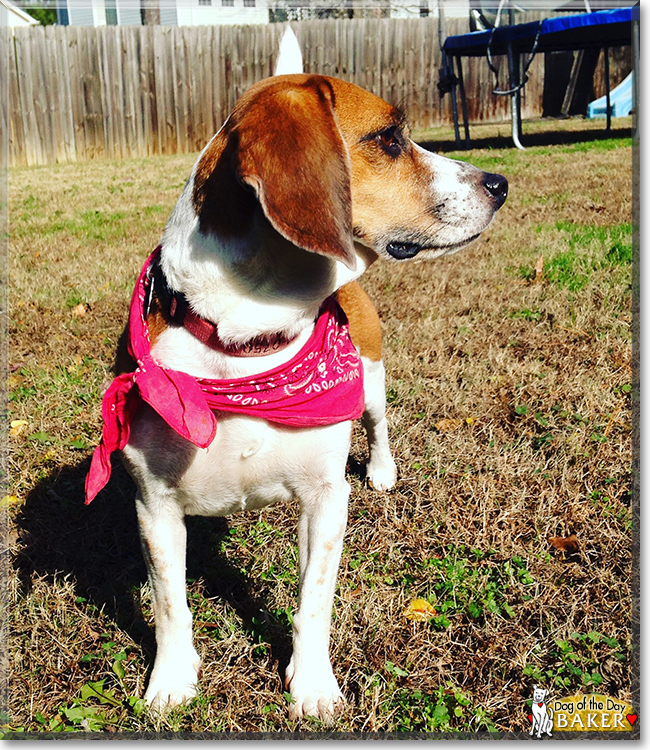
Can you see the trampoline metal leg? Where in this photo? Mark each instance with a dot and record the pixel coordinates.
(446, 64)
(609, 103)
(515, 99)
(463, 100)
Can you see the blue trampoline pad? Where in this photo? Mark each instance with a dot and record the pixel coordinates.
(603, 28)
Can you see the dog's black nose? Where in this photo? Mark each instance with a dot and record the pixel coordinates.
(497, 187)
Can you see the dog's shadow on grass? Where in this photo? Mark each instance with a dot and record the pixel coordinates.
(98, 548)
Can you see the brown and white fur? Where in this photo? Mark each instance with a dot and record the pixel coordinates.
(308, 182)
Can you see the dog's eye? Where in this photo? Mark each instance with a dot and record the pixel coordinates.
(390, 142)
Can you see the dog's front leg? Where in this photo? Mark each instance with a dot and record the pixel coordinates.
(309, 677)
(381, 470)
(163, 536)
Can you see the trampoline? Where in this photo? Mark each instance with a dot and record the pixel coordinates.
(600, 29)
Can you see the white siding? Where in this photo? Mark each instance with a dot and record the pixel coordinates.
(168, 13)
(128, 13)
(411, 8)
(86, 13)
(11, 16)
(190, 13)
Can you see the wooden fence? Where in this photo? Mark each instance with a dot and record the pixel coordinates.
(77, 93)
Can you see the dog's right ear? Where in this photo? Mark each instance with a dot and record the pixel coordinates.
(283, 142)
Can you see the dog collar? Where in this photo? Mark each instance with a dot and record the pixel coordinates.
(176, 306)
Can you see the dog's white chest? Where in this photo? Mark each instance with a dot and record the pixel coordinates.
(239, 467)
(250, 464)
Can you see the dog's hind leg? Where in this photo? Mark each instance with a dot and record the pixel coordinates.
(163, 536)
(309, 676)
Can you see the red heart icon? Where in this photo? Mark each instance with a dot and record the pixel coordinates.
(530, 718)
(631, 718)
(541, 704)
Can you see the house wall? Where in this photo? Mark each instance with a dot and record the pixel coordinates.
(128, 12)
(416, 8)
(84, 13)
(168, 14)
(14, 17)
(191, 13)
(172, 12)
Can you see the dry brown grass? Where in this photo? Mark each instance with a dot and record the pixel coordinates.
(510, 420)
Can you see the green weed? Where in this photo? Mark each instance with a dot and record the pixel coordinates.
(445, 709)
(578, 662)
(77, 385)
(93, 710)
(471, 583)
(589, 249)
(526, 314)
(606, 144)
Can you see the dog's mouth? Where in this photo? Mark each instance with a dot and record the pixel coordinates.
(406, 250)
(403, 250)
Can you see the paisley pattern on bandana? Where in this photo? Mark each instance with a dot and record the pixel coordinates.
(321, 385)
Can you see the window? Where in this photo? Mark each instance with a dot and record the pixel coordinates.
(111, 13)
(227, 3)
(249, 3)
(205, 2)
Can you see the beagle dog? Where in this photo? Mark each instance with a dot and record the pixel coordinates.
(308, 182)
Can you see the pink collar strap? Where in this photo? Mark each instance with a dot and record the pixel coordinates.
(322, 384)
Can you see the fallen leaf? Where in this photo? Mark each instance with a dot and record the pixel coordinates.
(8, 500)
(447, 425)
(569, 543)
(539, 268)
(17, 426)
(79, 311)
(420, 609)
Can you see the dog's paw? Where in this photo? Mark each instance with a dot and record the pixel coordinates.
(315, 693)
(382, 475)
(173, 684)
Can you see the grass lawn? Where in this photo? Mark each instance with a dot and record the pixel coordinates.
(509, 390)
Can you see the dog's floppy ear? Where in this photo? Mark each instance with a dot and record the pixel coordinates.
(291, 152)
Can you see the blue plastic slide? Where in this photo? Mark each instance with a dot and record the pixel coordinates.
(620, 99)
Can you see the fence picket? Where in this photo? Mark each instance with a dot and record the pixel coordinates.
(80, 93)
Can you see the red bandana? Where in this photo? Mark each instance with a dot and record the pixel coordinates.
(322, 384)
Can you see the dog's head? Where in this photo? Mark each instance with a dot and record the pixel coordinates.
(334, 171)
(539, 694)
